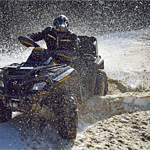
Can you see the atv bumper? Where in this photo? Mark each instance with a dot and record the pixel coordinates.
(23, 103)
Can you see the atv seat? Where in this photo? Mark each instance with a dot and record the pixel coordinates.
(87, 45)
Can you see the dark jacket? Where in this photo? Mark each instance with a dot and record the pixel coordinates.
(68, 43)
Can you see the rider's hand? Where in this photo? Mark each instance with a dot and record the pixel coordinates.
(31, 35)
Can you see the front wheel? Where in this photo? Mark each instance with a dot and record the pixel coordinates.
(67, 115)
(101, 86)
(5, 112)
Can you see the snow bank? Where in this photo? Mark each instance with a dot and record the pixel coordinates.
(126, 131)
(100, 108)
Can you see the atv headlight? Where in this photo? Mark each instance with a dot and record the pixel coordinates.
(1, 83)
(39, 86)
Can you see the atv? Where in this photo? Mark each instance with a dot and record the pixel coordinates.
(58, 79)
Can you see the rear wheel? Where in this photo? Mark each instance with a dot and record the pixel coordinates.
(101, 86)
(5, 112)
(67, 115)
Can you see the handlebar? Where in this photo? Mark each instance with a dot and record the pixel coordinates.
(27, 42)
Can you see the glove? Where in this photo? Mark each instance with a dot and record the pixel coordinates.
(31, 35)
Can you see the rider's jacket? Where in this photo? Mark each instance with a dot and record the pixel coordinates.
(68, 43)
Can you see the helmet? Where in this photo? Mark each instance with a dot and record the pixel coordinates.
(61, 24)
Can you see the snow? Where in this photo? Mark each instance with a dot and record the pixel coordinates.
(117, 48)
(138, 101)
(25, 131)
(127, 59)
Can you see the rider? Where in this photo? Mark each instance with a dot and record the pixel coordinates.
(58, 37)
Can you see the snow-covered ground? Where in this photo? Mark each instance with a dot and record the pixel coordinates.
(127, 61)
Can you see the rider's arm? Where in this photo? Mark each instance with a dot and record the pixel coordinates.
(36, 36)
(74, 44)
(40, 35)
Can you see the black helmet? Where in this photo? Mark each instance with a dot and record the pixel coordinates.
(61, 23)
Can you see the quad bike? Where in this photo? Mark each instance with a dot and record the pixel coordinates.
(58, 79)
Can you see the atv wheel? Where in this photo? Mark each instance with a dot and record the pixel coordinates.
(67, 116)
(5, 113)
(101, 86)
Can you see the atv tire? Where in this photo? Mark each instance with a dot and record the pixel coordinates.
(67, 116)
(5, 113)
(101, 86)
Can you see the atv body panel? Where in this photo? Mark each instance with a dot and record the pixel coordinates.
(19, 84)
